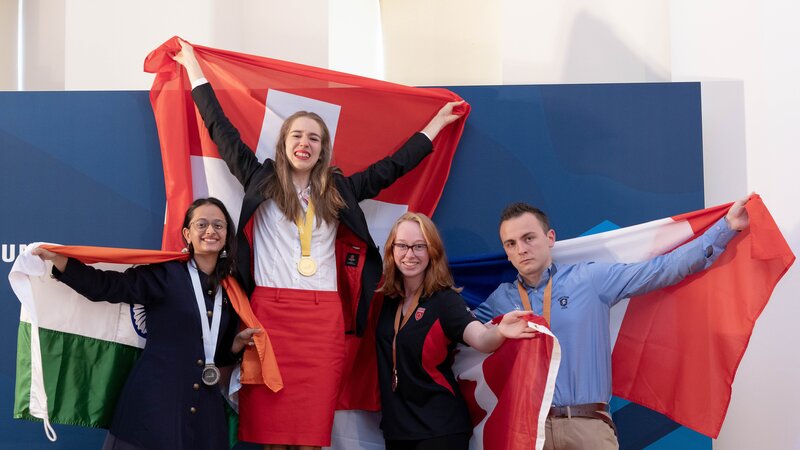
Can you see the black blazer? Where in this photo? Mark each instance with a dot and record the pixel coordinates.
(154, 409)
(359, 264)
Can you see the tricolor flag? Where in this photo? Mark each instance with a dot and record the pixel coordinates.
(368, 120)
(74, 355)
(676, 350)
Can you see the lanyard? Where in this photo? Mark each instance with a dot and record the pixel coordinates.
(304, 229)
(306, 266)
(399, 326)
(526, 302)
(211, 332)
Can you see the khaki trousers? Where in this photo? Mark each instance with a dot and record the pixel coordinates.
(579, 433)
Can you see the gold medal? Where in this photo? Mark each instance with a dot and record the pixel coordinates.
(306, 266)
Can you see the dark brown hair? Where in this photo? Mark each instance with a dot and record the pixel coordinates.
(225, 266)
(517, 209)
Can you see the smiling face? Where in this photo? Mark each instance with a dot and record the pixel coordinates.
(527, 246)
(207, 230)
(303, 144)
(411, 263)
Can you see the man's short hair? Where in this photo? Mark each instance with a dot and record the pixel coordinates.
(517, 209)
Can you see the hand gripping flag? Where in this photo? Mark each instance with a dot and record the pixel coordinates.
(368, 120)
(509, 392)
(73, 355)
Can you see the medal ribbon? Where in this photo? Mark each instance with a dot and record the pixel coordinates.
(304, 229)
(526, 302)
(211, 332)
(399, 326)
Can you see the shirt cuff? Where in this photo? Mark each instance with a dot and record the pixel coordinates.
(198, 82)
(426, 135)
(718, 237)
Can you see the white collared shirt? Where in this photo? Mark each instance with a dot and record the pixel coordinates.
(276, 243)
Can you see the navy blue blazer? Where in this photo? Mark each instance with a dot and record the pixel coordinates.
(164, 404)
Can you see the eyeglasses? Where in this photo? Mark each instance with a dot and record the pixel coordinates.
(417, 249)
(202, 225)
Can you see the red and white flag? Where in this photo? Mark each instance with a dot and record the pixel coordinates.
(368, 120)
(509, 392)
(678, 348)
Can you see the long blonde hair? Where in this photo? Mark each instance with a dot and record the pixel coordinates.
(279, 187)
(437, 274)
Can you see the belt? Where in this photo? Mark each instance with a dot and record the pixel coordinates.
(590, 410)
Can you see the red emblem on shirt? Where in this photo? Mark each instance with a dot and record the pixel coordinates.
(419, 313)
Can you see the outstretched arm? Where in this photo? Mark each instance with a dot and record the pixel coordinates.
(487, 339)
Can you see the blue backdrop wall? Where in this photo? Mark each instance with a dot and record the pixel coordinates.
(85, 168)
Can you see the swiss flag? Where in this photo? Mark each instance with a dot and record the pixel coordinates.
(368, 120)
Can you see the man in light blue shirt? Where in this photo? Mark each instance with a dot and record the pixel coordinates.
(581, 296)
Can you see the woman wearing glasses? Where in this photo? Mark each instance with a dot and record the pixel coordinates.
(171, 399)
(422, 319)
(306, 259)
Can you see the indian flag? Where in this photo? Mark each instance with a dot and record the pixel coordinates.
(73, 355)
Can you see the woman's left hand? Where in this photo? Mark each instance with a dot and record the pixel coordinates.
(244, 339)
(515, 325)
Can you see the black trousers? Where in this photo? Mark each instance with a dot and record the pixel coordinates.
(450, 442)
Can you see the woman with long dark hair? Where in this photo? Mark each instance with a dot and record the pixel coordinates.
(171, 399)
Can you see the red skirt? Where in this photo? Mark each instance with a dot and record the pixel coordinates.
(307, 333)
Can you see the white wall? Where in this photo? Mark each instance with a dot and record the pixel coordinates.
(753, 45)
(744, 52)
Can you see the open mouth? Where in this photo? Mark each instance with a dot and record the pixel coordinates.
(302, 155)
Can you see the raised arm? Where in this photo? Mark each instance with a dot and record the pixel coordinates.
(239, 157)
(381, 174)
(614, 282)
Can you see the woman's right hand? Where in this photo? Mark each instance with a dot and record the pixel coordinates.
(59, 261)
(187, 59)
(244, 339)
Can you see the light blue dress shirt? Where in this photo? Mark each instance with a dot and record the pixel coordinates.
(582, 296)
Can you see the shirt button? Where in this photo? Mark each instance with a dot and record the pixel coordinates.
(200, 363)
(192, 410)
(196, 387)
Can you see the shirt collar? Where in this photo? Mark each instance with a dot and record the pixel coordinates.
(550, 272)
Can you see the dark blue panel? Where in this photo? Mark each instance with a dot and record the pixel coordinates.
(627, 153)
(85, 168)
(75, 168)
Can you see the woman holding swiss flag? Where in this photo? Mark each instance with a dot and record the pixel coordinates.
(306, 258)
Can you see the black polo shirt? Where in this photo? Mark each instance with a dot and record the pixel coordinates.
(427, 402)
